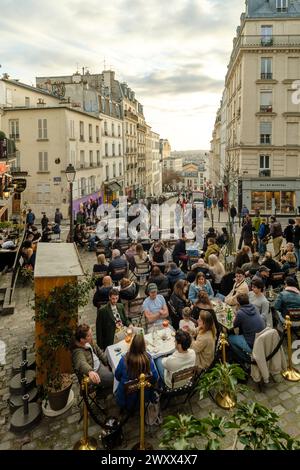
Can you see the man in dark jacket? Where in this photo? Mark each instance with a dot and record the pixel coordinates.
(88, 359)
(117, 263)
(276, 233)
(58, 217)
(110, 318)
(174, 274)
(249, 322)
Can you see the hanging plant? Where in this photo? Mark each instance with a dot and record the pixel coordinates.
(57, 313)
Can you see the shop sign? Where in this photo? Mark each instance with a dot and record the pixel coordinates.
(21, 184)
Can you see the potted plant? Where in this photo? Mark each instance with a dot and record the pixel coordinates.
(57, 315)
(223, 379)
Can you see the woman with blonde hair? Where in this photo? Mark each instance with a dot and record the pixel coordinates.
(100, 269)
(204, 344)
(217, 271)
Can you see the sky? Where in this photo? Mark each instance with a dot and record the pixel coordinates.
(172, 53)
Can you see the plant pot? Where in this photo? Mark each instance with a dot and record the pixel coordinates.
(58, 399)
(225, 401)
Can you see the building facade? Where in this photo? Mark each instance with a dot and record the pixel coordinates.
(263, 107)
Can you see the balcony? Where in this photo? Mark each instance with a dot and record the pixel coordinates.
(266, 76)
(265, 139)
(130, 115)
(266, 108)
(264, 173)
(14, 136)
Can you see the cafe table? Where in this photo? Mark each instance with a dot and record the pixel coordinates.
(221, 310)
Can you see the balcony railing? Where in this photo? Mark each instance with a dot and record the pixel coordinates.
(14, 136)
(266, 76)
(266, 108)
(265, 173)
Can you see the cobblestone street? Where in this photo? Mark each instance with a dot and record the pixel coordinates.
(64, 431)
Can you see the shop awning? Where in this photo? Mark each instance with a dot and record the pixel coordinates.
(113, 186)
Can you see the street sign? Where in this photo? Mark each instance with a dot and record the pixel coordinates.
(21, 184)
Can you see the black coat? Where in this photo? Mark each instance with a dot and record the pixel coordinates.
(106, 325)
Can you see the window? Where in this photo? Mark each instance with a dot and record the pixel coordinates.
(267, 35)
(72, 129)
(81, 130)
(114, 170)
(90, 133)
(107, 172)
(282, 5)
(83, 186)
(119, 131)
(112, 129)
(97, 133)
(120, 150)
(106, 149)
(92, 184)
(42, 129)
(105, 128)
(43, 161)
(266, 68)
(91, 157)
(14, 129)
(27, 102)
(113, 150)
(265, 132)
(81, 158)
(73, 158)
(98, 157)
(264, 165)
(120, 169)
(266, 102)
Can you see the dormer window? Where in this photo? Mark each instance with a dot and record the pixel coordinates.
(282, 5)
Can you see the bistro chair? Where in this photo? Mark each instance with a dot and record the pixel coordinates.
(183, 383)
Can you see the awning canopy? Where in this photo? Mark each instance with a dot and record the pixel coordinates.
(113, 186)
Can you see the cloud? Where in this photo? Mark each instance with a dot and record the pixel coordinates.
(171, 53)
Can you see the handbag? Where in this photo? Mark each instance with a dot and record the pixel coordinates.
(153, 414)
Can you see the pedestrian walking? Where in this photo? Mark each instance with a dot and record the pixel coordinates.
(58, 217)
(44, 221)
(30, 218)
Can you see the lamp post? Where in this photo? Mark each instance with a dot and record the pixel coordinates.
(70, 175)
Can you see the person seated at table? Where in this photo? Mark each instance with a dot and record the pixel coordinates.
(136, 362)
(199, 267)
(249, 321)
(154, 307)
(160, 256)
(28, 254)
(179, 253)
(174, 274)
(183, 358)
(117, 263)
(263, 275)
(270, 263)
(240, 287)
(128, 289)
(212, 249)
(242, 257)
(158, 278)
(200, 284)
(88, 359)
(140, 259)
(288, 299)
(100, 268)
(204, 344)
(187, 324)
(178, 301)
(202, 303)
(290, 263)
(253, 266)
(130, 254)
(111, 320)
(257, 298)
(102, 293)
(217, 272)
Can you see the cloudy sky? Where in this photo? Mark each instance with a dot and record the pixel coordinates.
(172, 53)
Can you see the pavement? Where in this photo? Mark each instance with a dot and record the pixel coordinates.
(61, 433)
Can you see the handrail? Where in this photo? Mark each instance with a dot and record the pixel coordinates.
(16, 265)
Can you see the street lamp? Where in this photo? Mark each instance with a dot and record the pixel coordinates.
(70, 175)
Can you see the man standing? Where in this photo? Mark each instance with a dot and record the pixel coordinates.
(44, 221)
(276, 233)
(30, 218)
(111, 320)
(58, 217)
(233, 212)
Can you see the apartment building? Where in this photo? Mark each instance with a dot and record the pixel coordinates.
(262, 109)
(156, 184)
(165, 149)
(48, 139)
(141, 143)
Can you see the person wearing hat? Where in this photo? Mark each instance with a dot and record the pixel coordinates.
(263, 274)
(154, 307)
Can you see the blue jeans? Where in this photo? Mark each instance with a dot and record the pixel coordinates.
(239, 346)
(297, 252)
(160, 369)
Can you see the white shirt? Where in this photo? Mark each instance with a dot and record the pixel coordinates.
(177, 361)
(95, 358)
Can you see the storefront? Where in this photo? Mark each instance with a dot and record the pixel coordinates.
(112, 191)
(271, 195)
